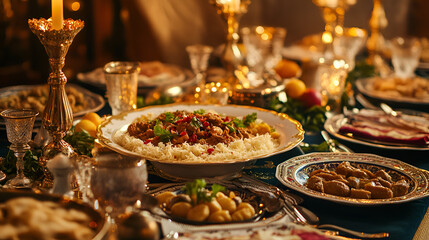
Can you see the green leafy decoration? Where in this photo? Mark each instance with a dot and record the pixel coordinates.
(82, 142)
(311, 119)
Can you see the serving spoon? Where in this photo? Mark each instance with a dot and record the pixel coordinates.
(300, 214)
(313, 220)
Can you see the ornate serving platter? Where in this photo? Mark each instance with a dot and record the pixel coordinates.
(294, 173)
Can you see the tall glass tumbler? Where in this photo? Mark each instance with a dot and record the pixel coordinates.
(121, 85)
(117, 182)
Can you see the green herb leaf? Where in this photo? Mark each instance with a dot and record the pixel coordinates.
(217, 188)
(169, 117)
(248, 119)
(196, 123)
(201, 111)
(163, 134)
(81, 142)
(230, 126)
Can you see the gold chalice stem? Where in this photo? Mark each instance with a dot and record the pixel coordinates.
(231, 53)
(330, 17)
(377, 22)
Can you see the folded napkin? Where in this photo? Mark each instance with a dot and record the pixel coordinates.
(376, 125)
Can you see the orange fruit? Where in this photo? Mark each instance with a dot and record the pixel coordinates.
(295, 88)
(93, 117)
(86, 125)
(287, 69)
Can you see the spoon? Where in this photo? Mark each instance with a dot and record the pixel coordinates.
(332, 147)
(388, 110)
(313, 220)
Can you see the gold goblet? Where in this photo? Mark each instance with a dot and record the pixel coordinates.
(58, 115)
(333, 14)
(231, 11)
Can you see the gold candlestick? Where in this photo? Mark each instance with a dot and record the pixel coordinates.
(376, 42)
(231, 56)
(58, 116)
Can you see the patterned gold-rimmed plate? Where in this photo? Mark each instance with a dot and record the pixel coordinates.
(290, 130)
(294, 173)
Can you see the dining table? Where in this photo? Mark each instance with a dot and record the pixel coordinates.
(403, 221)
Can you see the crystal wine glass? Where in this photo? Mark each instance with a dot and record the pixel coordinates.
(263, 51)
(19, 125)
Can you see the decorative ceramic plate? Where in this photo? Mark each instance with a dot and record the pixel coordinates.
(291, 134)
(333, 124)
(98, 222)
(365, 86)
(294, 173)
(94, 101)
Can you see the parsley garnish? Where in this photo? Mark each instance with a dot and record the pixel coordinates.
(196, 123)
(163, 134)
(201, 111)
(197, 189)
(249, 119)
(169, 117)
(230, 126)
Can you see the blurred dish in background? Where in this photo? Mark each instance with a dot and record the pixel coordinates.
(35, 97)
(377, 129)
(424, 55)
(152, 74)
(414, 90)
(308, 48)
(62, 216)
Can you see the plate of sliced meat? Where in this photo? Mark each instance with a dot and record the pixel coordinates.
(407, 131)
(354, 178)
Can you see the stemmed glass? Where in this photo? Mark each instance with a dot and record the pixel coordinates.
(199, 57)
(405, 56)
(19, 125)
(333, 15)
(349, 44)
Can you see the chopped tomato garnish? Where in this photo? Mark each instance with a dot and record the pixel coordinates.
(147, 141)
(210, 150)
(183, 133)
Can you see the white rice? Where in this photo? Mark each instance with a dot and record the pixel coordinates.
(235, 151)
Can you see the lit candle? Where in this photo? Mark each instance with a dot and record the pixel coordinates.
(57, 14)
(234, 5)
(331, 3)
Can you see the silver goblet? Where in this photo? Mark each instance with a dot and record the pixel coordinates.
(19, 126)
